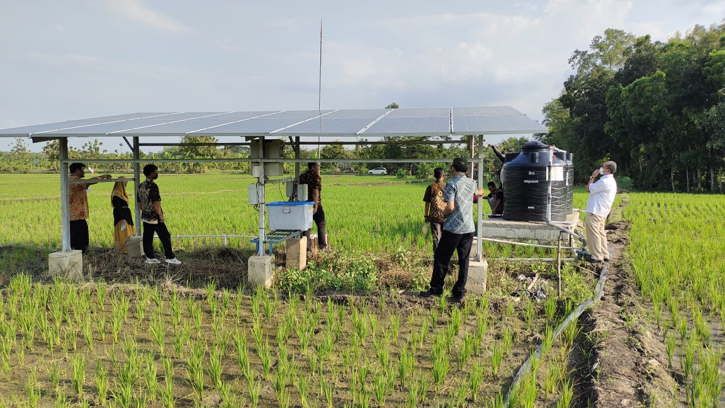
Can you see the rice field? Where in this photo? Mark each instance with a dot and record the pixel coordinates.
(165, 345)
(365, 214)
(678, 256)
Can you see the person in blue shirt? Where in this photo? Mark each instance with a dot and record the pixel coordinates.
(458, 231)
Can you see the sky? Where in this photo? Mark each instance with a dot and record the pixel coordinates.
(73, 59)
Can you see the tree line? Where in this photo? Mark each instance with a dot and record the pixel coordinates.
(656, 108)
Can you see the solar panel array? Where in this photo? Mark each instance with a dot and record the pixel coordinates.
(338, 123)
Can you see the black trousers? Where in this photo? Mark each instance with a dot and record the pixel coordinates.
(436, 229)
(148, 240)
(319, 218)
(79, 235)
(449, 243)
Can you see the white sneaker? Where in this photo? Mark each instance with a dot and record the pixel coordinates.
(173, 261)
(152, 261)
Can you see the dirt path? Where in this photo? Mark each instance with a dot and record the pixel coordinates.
(629, 364)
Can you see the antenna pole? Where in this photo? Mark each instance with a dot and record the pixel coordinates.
(319, 92)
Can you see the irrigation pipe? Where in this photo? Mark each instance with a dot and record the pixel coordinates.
(574, 315)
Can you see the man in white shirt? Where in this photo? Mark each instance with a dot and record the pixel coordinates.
(599, 204)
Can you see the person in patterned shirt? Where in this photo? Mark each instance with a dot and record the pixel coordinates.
(78, 205)
(458, 230)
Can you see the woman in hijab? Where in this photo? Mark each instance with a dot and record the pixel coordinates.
(122, 221)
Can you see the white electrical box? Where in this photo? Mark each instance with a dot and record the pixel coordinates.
(290, 215)
(273, 149)
(255, 193)
(301, 190)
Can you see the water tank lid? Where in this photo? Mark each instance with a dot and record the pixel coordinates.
(534, 145)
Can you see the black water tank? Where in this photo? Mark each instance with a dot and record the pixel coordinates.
(528, 180)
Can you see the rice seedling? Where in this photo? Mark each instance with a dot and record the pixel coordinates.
(302, 387)
(254, 389)
(265, 356)
(670, 346)
(466, 349)
(150, 376)
(87, 330)
(101, 381)
(78, 364)
(195, 370)
(441, 365)
(550, 309)
(475, 380)
(405, 366)
(215, 367)
(167, 392)
(182, 338)
(497, 353)
(566, 395)
(31, 389)
(175, 307)
(327, 390)
(141, 304)
(158, 332)
(381, 386)
(529, 314)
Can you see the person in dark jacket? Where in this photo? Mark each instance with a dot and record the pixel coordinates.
(122, 220)
(313, 180)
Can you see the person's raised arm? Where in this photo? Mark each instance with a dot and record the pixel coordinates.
(498, 153)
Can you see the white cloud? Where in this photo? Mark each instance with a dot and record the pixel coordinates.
(137, 11)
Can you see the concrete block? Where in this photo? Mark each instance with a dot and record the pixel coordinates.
(134, 247)
(66, 265)
(260, 271)
(296, 253)
(477, 275)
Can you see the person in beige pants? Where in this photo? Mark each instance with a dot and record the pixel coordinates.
(602, 189)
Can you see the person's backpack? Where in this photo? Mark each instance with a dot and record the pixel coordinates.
(437, 204)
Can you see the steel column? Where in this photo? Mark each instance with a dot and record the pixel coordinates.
(296, 181)
(64, 195)
(136, 182)
(479, 238)
(261, 199)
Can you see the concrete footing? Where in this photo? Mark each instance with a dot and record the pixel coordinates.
(66, 265)
(477, 276)
(260, 271)
(296, 253)
(134, 247)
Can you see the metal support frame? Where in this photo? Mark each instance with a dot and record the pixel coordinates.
(350, 143)
(136, 182)
(479, 240)
(247, 159)
(64, 195)
(295, 184)
(261, 200)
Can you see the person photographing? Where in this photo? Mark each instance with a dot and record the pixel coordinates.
(602, 189)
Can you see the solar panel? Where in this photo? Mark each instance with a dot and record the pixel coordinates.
(72, 124)
(412, 122)
(337, 123)
(345, 122)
